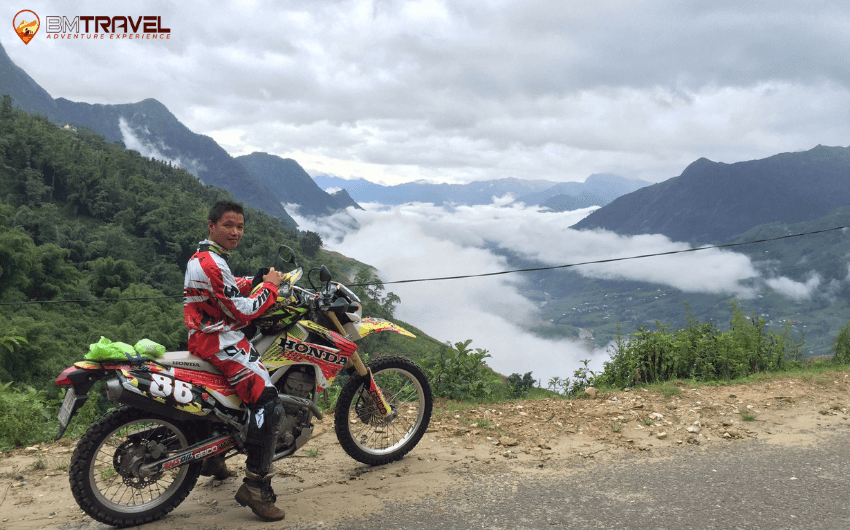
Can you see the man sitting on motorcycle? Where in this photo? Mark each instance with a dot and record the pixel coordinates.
(216, 306)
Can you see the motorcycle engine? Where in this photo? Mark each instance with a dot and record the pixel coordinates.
(299, 381)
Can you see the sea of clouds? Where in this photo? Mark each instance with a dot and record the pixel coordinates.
(421, 240)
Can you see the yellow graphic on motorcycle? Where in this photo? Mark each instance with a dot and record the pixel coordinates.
(286, 310)
(373, 325)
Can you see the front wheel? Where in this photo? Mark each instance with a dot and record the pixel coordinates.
(104, 475)
(363, 432)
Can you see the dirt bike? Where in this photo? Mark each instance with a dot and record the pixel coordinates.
(140, 460)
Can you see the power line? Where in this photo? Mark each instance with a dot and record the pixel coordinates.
(482, 275)
(610, 260)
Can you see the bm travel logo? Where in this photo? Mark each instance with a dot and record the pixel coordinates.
(90, 27)
(26, 24)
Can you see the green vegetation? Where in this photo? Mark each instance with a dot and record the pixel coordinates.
(699, 351)
(669, 389)
(94, 238)
(462, 374)
(577, 304)
(520, 386)
(841, 346)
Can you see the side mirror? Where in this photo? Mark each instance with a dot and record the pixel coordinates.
(324, 274)
(287, 255)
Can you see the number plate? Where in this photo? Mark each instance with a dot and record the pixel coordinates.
(67, 407)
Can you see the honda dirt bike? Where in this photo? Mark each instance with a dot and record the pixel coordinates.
(139, 461)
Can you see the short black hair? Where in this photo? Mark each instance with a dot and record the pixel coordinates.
(222, 207)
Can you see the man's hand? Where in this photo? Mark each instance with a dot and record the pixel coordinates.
(273, 277)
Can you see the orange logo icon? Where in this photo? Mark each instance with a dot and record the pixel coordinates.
(26, 24)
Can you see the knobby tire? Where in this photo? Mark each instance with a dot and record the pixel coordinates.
(119, 500)
(360, 429)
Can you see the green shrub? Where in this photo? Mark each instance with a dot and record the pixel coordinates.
(700, 351)
(520, 385)
(25, 416)
(841, 346)
(462, 374)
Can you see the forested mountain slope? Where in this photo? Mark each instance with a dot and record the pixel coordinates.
(94, 239)
(148, 127)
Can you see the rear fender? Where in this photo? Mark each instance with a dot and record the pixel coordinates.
(367, 326)
(82, 376)
(79, 379)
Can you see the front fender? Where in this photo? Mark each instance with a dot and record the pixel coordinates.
(367, 326)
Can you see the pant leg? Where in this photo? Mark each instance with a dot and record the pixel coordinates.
(250, 379)
(241, 365)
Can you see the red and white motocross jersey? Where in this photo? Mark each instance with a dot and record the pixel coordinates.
(215, 304)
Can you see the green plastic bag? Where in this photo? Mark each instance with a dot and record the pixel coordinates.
(106, 350)
(149, 348)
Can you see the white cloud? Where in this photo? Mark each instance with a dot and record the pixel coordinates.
(793, 289)
(147, 149)
(420, 240)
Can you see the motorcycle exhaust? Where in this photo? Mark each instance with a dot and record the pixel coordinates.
(301, 402)
(118, 393)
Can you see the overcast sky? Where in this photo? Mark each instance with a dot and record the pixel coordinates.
(461, 90)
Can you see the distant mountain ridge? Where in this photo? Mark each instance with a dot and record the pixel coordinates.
(714, 202)
(26, 94)
(597, 190)
(150, 128)
(292, 185)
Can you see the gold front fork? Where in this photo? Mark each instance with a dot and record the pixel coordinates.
(374, 390)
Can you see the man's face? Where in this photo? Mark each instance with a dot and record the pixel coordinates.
(228, 230)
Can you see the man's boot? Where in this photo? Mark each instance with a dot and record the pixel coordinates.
(257, 492)
(215, 467)
(263, 428)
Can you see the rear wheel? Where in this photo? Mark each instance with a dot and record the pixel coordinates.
(104, 475)
(363, 432)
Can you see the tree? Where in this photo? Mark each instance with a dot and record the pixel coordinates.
(370, 289)
(841, 346)
(520, 385)
(6, 108)
(310, 243)
(109, 273)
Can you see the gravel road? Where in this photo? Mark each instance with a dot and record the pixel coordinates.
(771, 454)
(744, 486)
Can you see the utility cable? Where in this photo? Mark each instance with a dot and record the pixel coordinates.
(610, 260)
(482, 275)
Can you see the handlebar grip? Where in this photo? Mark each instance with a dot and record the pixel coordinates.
(340, 305)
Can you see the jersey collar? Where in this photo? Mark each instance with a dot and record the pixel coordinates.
(211, 246)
